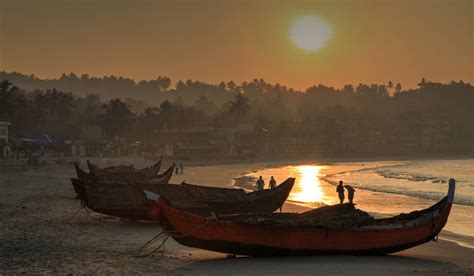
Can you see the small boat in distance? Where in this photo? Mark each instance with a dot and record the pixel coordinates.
(150, 171)
(135, 176)
(127, 200)
(320, 231)
(119, 168)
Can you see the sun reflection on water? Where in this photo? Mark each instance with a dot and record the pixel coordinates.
(308, 186)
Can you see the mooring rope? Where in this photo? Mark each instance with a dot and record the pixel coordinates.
(164, 235)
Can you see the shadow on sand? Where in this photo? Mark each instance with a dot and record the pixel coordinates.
(322, 265)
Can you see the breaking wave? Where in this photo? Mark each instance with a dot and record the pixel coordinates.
(386, 173)
(425, 194)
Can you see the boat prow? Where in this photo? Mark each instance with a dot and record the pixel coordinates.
(163, 178)
(152, 171)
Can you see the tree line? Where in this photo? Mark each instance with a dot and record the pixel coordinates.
(320, 110)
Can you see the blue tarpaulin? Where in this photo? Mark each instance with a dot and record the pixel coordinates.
(32, 138)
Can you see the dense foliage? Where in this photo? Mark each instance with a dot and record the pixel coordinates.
(150, 106)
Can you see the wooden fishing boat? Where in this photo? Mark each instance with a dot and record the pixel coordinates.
(308, 233)
(127, 200)
(150, 171)
(136, 176)
(120, 168)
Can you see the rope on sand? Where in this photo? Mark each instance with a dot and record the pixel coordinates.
(164, 235)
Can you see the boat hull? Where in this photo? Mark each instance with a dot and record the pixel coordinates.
(128, 201)
(129, 177)
(255, 240)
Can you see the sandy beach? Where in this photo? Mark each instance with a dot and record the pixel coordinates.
(44, 230)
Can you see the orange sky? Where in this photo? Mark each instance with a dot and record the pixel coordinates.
(372, 41)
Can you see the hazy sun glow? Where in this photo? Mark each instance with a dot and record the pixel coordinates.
(308, 184)
(310, 32)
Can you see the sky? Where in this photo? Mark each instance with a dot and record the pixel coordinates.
(370, 41)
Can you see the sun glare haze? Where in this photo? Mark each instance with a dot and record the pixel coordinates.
(310, 32)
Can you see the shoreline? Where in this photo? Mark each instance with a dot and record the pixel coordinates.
(146, 161)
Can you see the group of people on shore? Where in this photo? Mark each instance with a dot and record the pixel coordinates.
(340, 192)
(260, 185)
(179, 168)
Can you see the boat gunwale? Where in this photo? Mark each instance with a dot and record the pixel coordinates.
(183, 215)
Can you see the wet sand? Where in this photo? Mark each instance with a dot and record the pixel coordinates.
(44, 230)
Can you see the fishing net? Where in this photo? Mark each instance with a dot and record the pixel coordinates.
(335, 216)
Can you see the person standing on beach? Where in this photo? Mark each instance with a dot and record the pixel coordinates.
(272, 183)
(260, 184)
(340, 191)
(350, 193)
(181, 167)
(176, 168)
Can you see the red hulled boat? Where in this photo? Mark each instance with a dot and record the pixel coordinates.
(308, 233)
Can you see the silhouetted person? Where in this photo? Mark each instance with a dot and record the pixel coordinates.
(181, 167)
(340, 191)
(176, 168)
(350, 193)
(260, 184)
(272, 183)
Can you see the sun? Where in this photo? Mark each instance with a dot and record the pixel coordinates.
(310, 32)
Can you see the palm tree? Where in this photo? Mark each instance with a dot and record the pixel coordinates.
(8, 100)
(7, 87)
(61, 103)
(41, 107)
(118, 118)
(87, 109)
(239, 107)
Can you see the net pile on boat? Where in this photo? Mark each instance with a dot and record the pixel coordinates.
(123, 196)
(117, 196)
(205, 193)
(119, 168)
(120, 176)
(334, 216)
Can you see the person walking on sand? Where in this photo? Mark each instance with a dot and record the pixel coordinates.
(272, 184)
(260, 184)
(350, 193)
(181, 167)
(340, 191)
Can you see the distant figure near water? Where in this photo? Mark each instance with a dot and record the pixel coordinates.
(340, 191)
(272, 184)
(176, 168)
(350, 193)
(181, 168)
(260, 184)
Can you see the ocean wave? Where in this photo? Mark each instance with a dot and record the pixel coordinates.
(430, 195)
(245, 182)
(409, 176)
